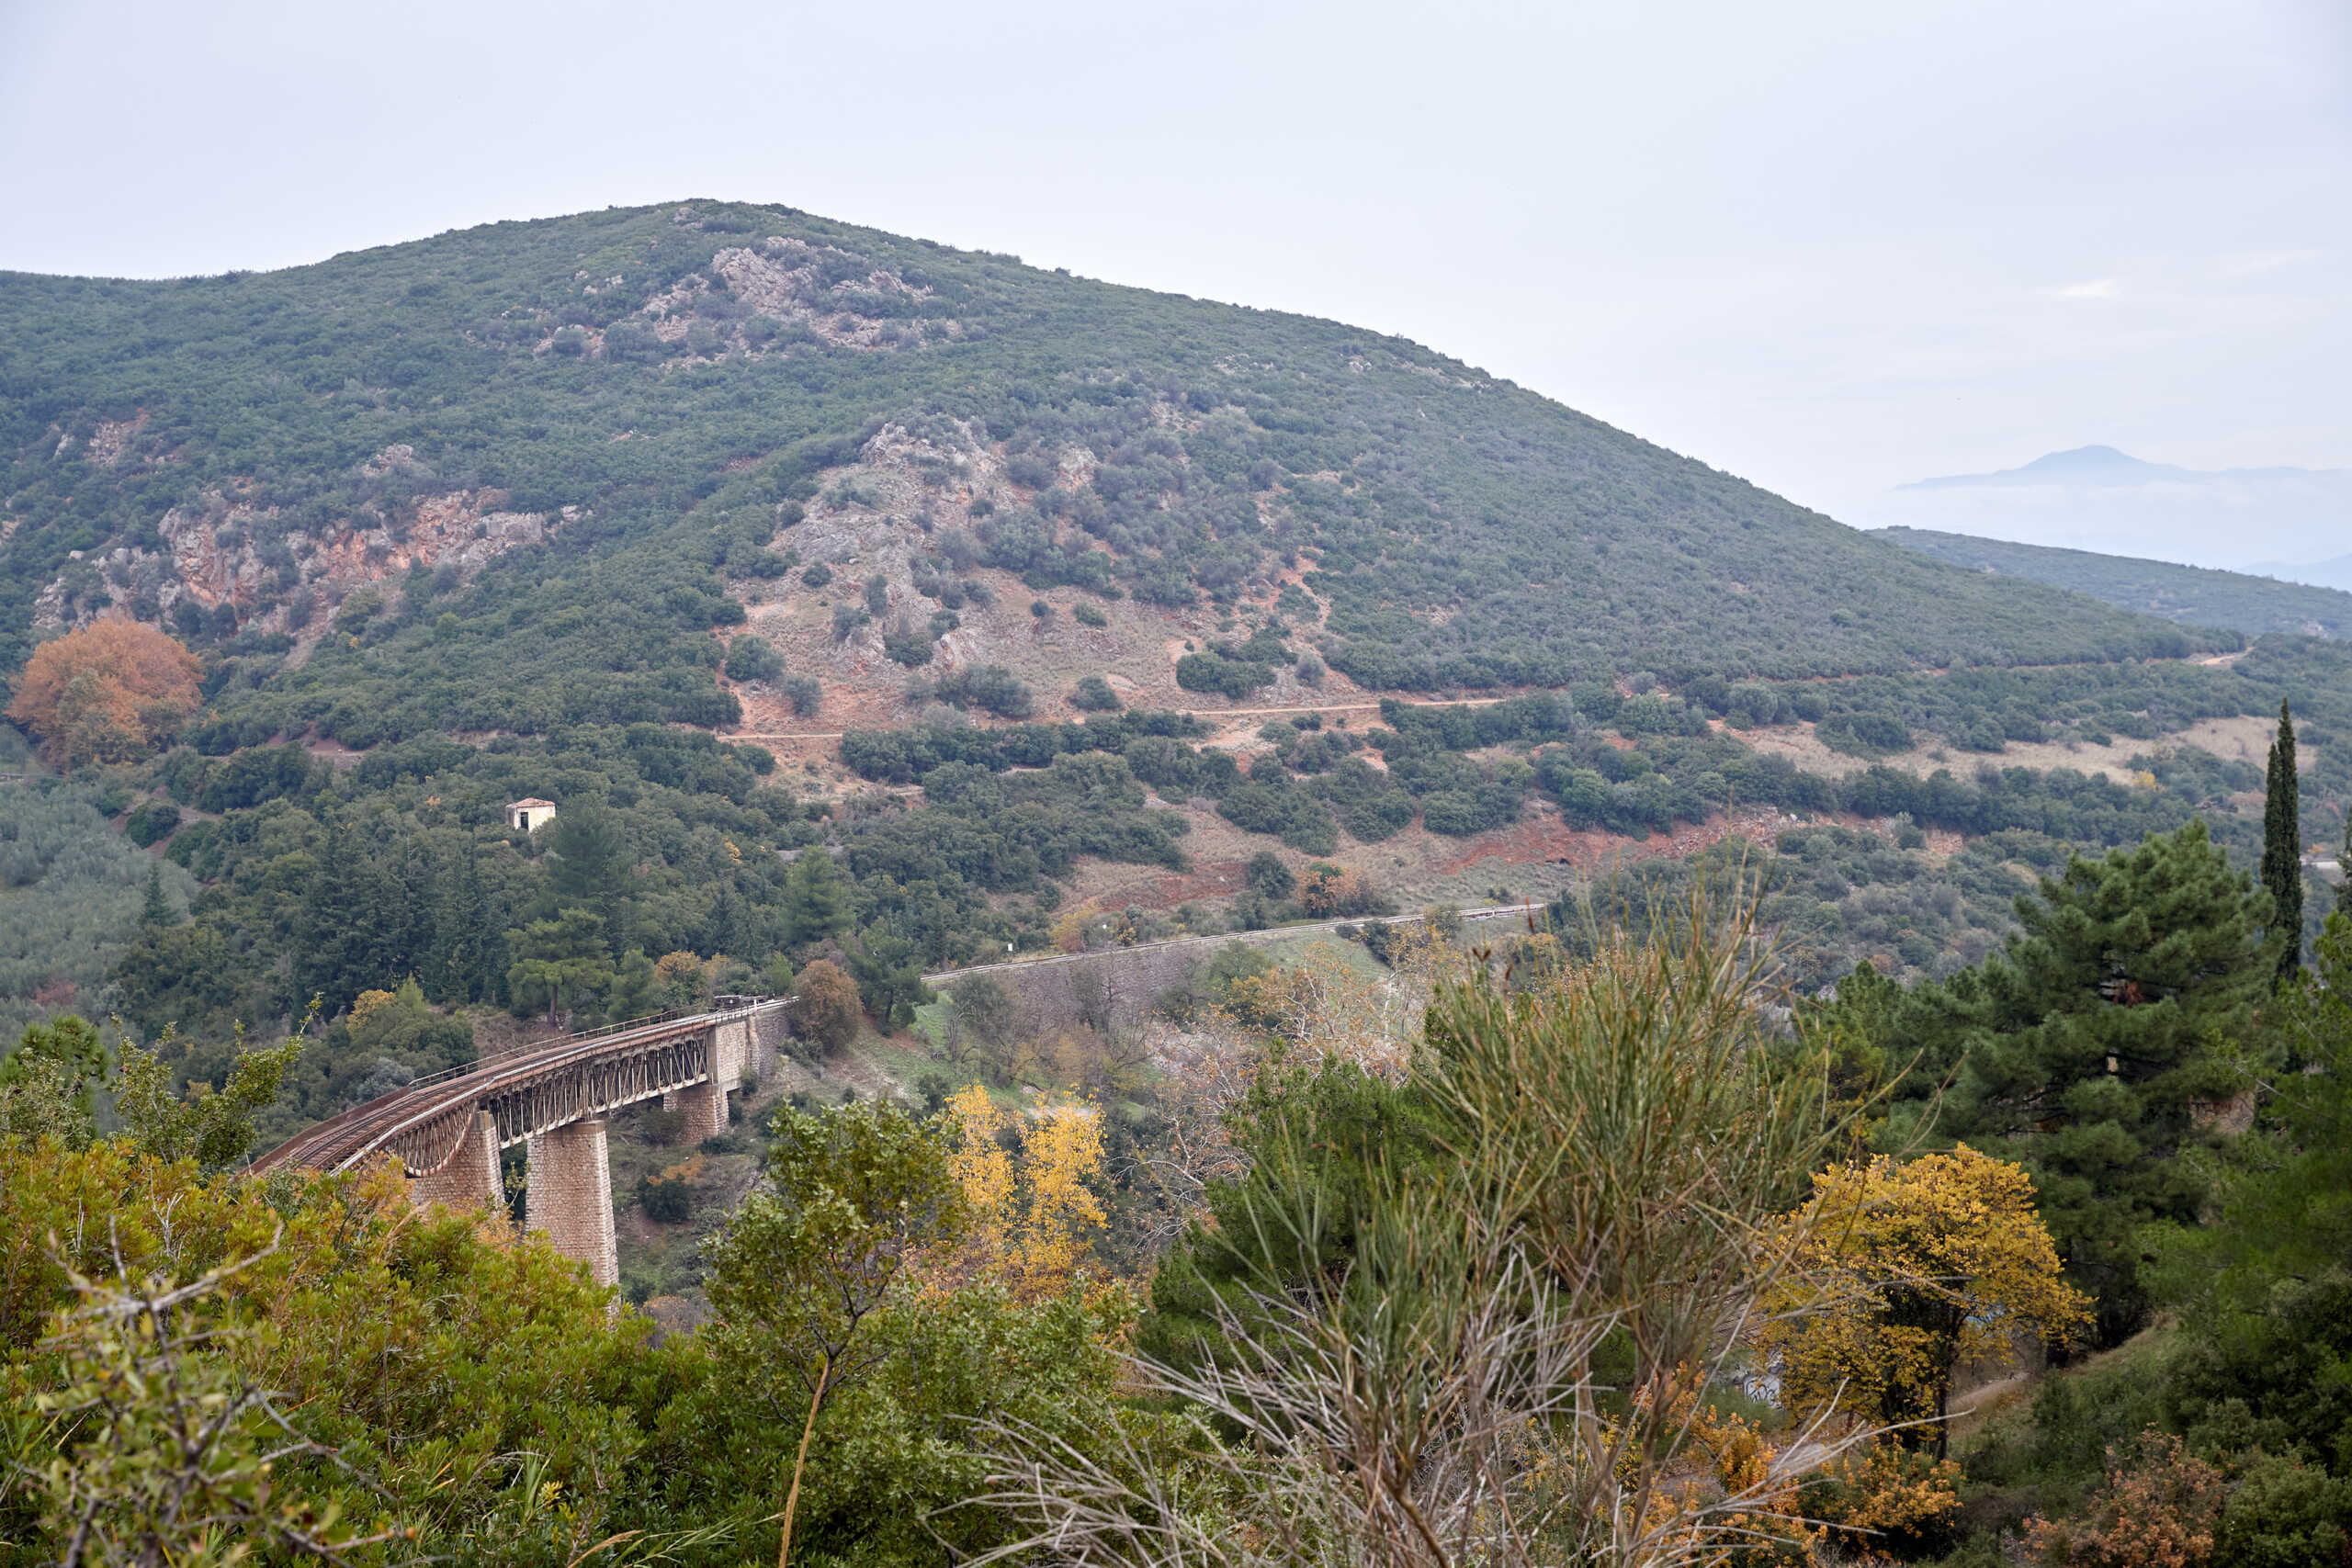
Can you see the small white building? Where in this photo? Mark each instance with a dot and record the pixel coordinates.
(527, 814)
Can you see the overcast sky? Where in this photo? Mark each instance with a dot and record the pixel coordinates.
(1829, 247)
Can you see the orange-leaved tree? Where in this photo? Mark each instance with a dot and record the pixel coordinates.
(1908, 1270)
(109, 693)
(825, 1006)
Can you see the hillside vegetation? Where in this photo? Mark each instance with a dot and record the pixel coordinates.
(536, 509)
(665, 388)
(2195, 594)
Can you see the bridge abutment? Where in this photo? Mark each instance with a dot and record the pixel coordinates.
(767, 1041)
(471, 1179)
(569, 1196)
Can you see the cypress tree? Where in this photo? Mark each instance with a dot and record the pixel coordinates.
(2344, 866)
(2282, 848)
(351, 930)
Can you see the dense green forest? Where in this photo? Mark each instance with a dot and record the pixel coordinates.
(677, 842)
(2195, 594)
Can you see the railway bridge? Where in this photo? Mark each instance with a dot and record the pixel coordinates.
(551, 1096)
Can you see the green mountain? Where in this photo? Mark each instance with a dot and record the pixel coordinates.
(2198, 595)
(717, 525)
(594, 420)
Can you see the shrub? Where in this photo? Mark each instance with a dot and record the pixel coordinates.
(151, 820)
(1268, 876)
(1869, 735)
(804, 694)
(1088, 614)
(750, 657)
(960, 548)
(2283, 1514)
(1328, 890)
(2160, 1509)
(817, 576)
(907, 646)
(1235, 677)
(991, 687)
(667, 1200)
(1093, 694)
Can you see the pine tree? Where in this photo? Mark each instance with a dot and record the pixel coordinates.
(351, 929)
(157, 911)
(2282, 848)
(721, 929)
(562, 962)
(637, 989)
(588, 863)
(467, 960)
(2125, 1001)
(815, 897)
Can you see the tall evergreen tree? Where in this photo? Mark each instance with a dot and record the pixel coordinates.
(352, 927)
(467, 960)
(562, 962)
(157, 911)
(2124, 1003)
(2344, 866)
(2282, 848)
(815, 897)
(589, 864)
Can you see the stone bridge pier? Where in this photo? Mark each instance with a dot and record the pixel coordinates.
(569, 1196)
(471, 1178)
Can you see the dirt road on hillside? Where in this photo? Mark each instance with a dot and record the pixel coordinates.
(1271, 934)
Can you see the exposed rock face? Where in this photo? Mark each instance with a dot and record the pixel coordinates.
(228, 552)
(815, 291)
(111, 438)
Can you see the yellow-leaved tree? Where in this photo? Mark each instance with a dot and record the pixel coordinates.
(1908, 1269)
(1032, 1219)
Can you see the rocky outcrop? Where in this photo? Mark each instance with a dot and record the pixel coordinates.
(759, 298)
(231, 552)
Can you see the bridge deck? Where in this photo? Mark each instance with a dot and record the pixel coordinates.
(343, 1140)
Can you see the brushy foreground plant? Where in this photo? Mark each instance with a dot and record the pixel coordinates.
(1625, 1138)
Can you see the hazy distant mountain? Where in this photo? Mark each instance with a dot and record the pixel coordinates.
(2106, 466)
(2084, 465)
(2107, 501)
